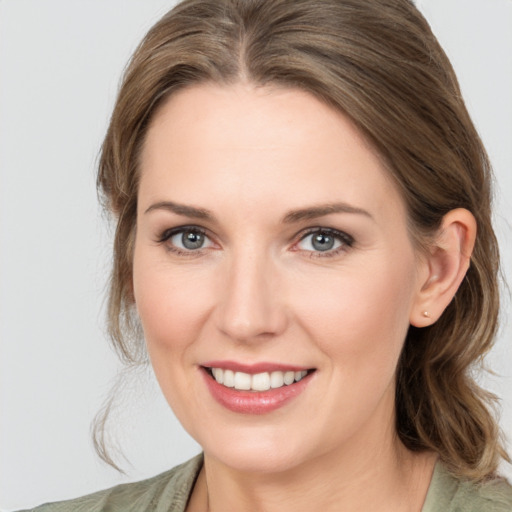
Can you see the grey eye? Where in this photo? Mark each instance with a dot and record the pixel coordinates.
(321, 241)
(189, 240)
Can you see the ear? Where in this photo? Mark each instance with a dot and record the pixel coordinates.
(444, 267)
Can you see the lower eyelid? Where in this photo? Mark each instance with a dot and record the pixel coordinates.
(328, 254)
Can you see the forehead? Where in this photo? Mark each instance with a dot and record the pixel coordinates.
(248, 145)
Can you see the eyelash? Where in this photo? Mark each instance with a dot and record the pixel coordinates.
(346, 240)
(169, 233)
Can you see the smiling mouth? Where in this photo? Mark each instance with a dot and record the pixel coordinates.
(258, 382)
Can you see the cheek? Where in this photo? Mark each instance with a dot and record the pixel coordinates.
(170, 303)
(360, 317)
(171, 306)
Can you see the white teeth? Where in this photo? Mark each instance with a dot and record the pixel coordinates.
(260, 382)
(276, 379)
(242, 381)
(218, 374)
(289, 377)
(300, 375)
(228, 379)
(257, 382)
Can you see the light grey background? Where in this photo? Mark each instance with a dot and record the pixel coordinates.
(60, 63)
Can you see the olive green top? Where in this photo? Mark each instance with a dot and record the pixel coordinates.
(169, 492)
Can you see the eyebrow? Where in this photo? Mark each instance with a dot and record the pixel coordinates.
(321, 210)
(291, 217)
(182, 209)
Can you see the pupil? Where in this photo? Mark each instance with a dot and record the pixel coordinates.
(322, 242)
(192, 240)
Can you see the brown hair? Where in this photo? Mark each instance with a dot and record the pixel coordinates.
(378, 62)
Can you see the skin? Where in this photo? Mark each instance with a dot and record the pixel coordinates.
(259, 291)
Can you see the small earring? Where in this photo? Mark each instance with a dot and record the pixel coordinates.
(426, 314)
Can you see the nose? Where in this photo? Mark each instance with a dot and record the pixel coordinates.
(251, 305)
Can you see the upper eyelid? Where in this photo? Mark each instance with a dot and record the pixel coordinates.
(168, 233)
(319, 229)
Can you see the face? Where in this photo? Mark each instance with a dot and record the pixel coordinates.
(272, 255)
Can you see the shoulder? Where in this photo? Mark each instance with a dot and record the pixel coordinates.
(450, 494)
(167, 491)
(492, 496)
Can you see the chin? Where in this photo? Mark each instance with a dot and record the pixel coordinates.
(259, 460)
(255, 450)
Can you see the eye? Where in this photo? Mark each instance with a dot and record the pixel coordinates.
(186, 239)
(190, 240)
(325, 240)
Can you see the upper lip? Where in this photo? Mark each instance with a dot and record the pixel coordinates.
(254, 368)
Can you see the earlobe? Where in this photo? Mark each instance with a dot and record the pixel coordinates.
(444, 267)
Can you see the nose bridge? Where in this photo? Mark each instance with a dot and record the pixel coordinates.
(251, 305)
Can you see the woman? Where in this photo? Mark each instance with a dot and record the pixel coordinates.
(304, 235)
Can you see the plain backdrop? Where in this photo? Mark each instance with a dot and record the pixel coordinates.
(60, 64)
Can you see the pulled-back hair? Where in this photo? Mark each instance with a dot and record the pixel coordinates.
(378, 63)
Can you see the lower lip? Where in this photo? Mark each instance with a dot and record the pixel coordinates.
(254, 402)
